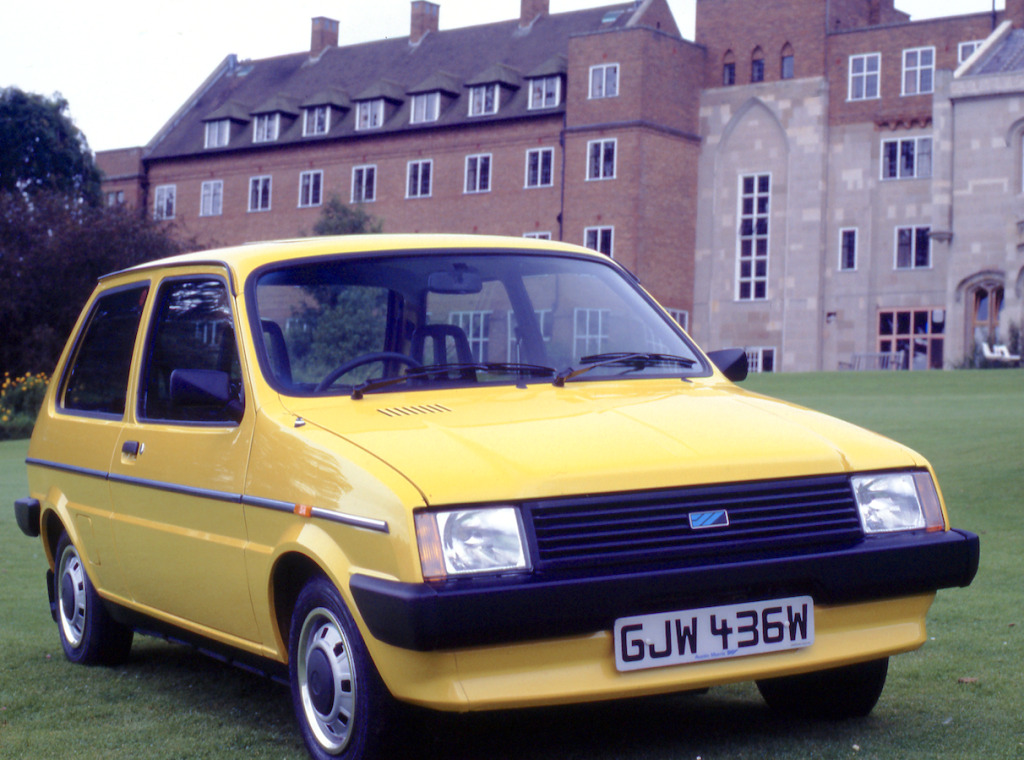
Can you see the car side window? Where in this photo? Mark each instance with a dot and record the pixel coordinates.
(192, 371)
(98, 379)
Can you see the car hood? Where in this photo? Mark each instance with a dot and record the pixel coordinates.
(499, 444)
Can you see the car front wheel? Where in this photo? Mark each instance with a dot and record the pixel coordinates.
(88, 634)
(836, 694)
(341, 704)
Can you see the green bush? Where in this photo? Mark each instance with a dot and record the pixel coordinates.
(20, 399)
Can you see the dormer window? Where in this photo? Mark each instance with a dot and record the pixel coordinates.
(316, 121)
(483, 100)
(218, 133)
(426, 107)
(545, 92)
(370, 114)
(266, 127)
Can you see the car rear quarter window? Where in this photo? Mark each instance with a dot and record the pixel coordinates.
(98, 379)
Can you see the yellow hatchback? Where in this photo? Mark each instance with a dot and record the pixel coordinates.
(466, 473)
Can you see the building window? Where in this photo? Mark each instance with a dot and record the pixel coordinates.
(217, 133)
(539, 167)
(310, 186)
(364, 184)
(370, 114)
(600, 239)
(211, 198)
(728, 74)
(908, 158)
(760, 359)
(682, 317)
(265, 127)
(259, 193)
(477, 326)
(483, 100)
(601, 159)
(604, 81)
(848, 249)
(788, 63)
(918, 71)
(545, 92)
(537, 235)
(757, 66)
(917, 335)
(317, 121)
(966, 49)
(864, 76)
(590, 331)
(478, 173)
(418, 185)
(752, 260)
(425, 107)
(163, 201)
(913, 248)
(986, 306)
(115, 197)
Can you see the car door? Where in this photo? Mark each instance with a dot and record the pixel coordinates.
(179, 468)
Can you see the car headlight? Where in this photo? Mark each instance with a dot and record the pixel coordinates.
(896, 501)
(466, 541)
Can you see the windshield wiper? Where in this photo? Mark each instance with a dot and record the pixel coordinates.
(416, 373)
(635, 361)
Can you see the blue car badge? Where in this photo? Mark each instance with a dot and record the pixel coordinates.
(702, 520)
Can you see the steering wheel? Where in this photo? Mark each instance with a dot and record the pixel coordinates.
(359, 361)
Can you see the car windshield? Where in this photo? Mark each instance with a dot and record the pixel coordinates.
(398, 322)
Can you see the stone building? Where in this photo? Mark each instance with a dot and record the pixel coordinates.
(824, 182)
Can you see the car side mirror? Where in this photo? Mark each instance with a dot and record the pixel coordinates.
(732, 362)
(200, 387)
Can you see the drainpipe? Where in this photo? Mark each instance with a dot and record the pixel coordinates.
(561, 200)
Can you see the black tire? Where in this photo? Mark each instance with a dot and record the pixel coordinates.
(342, 706)
(848, 692)
(88, 634)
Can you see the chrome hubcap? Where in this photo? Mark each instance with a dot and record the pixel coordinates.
(71, 596)
(327, 680)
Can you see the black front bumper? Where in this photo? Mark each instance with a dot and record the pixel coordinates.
(495, 610)
(26, 512)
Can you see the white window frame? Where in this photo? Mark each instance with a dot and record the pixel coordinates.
(844, 234)
(756, 356)
(264, 184)
(477, 327)
(425, 107)
(594, 334)
(535, 160)
(603, 81)
(865, 76)
(316, 121)
(755, 237)
(369, 114)
(416, 167)
(311, 188)
(217, 133)
(681, 316)
(364, 177)
(266, 127)
(598, 149)
(966, 49)
(211, 198)
(918, 77)
(545, 92)
(537, 235)
(600, 238)
(479, 171)
(484, 99)
(907, 148)
(915, 236)
(164, 201)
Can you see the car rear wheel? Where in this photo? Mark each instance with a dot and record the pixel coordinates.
(342, 706)
(848, 692)
(88, 634)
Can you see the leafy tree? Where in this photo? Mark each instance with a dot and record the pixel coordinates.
(42, 150)
(338, 219)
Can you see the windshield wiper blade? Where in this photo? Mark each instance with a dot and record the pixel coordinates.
(415, 373)
(637, 360)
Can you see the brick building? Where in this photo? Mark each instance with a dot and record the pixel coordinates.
(815, 180)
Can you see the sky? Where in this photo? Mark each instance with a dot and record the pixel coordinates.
(126, 66)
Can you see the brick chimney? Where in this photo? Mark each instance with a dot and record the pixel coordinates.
(1015, 12)
(324, 35)
(531, 10)
(424, 19)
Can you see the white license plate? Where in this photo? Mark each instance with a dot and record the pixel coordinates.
(712, 633)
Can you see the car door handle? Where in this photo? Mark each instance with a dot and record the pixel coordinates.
(132, 448)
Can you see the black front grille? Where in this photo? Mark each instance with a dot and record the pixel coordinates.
(766, 519)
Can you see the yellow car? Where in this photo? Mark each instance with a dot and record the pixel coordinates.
(465, 473)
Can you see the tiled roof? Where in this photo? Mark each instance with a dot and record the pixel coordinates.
(1005, 57)
(391, 68)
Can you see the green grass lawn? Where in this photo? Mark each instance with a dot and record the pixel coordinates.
(959, 696)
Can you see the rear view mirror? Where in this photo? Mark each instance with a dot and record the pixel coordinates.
(732, 362)
(456, 282)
